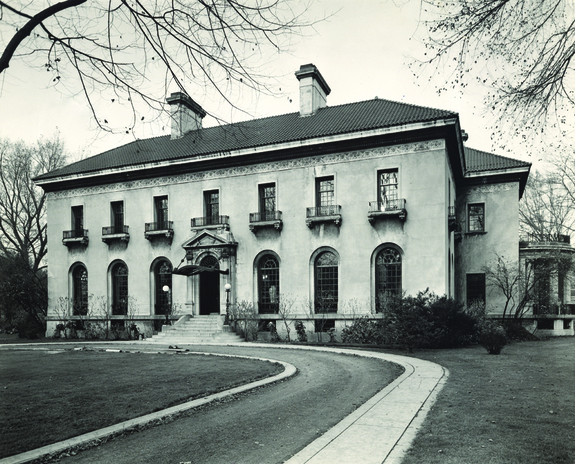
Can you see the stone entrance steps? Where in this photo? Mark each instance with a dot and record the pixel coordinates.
(197, 329)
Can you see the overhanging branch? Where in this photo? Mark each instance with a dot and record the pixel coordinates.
(29, 27)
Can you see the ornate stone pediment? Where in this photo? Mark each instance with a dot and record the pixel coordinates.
(222, 244)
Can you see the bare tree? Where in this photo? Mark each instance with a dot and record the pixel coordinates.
(529, 284)
(117, 48)
(285, 311)
(22, 203)
(515, 286)
(564, 162)
(522, 49)
(546, 208)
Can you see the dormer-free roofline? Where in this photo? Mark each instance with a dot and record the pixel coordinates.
(428, 130)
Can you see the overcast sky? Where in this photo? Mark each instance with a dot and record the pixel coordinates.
(363, 51)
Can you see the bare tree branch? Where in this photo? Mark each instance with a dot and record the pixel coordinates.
(32, 23)
(522, 49)
(115, 52)
(547, 206)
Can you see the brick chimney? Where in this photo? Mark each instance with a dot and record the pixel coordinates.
(313, 90)
(186, 114)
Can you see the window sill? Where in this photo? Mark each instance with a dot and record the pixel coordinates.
(276, 224)
(75, 241)
(111, 237)
(312, 221)
(151, 234)
(476, 233)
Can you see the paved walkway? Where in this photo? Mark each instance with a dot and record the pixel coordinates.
(378, 432)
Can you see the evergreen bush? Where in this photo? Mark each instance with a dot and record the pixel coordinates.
(427, 321)
(491, 336)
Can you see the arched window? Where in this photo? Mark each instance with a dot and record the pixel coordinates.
(268, 284)
(120, 289)
(80, 290)
(162, 278)
(387, 275)
(326, 282)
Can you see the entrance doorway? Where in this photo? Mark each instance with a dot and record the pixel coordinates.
(210, 287)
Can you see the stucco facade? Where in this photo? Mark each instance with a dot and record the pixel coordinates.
(323, 210)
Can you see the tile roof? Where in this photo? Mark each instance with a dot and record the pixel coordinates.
(481, 161)
(329, 121)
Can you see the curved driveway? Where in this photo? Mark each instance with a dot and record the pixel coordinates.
(299, 420)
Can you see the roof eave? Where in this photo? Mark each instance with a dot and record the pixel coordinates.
(521, 171)
(443, 122)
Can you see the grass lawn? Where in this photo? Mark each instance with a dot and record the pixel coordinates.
(48, 396)
(518, 407)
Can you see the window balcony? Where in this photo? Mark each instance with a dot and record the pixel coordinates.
(318, 214)
(159, 229)
(390, 208)
(111, 233)
(211, 222)
(75, 237)
(266, 219)
(452, 219)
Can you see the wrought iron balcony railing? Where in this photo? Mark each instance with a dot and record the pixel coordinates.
(329, 213)
(77, 233)
(322, 211)
(70, 237)
(386, 206)
(159, 226)
(265, 216)
(381, 208)
(208, 221)
(158, 229)
(452, 219)
(266, 219)
(115, 232)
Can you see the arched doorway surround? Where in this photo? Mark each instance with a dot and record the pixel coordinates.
(213, 248)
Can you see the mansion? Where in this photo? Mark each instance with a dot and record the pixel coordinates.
(335, 207)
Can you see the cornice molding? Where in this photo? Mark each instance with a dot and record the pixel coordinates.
(274, 166)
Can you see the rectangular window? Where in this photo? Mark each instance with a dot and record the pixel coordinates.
(78, 220)
(161, 211)
(117, 209)
(212, 206)
(325, 196)
(475, 289)
(476, 217)
(267, 194)
(325, 191)
(387, 189)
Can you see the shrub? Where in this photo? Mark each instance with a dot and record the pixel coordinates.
(491, 336)
(274, 336)
(300, 330)
(427, 320)
(243, 316)
(407, 321)
(332, 333)
(456, 327)
(362, 330)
